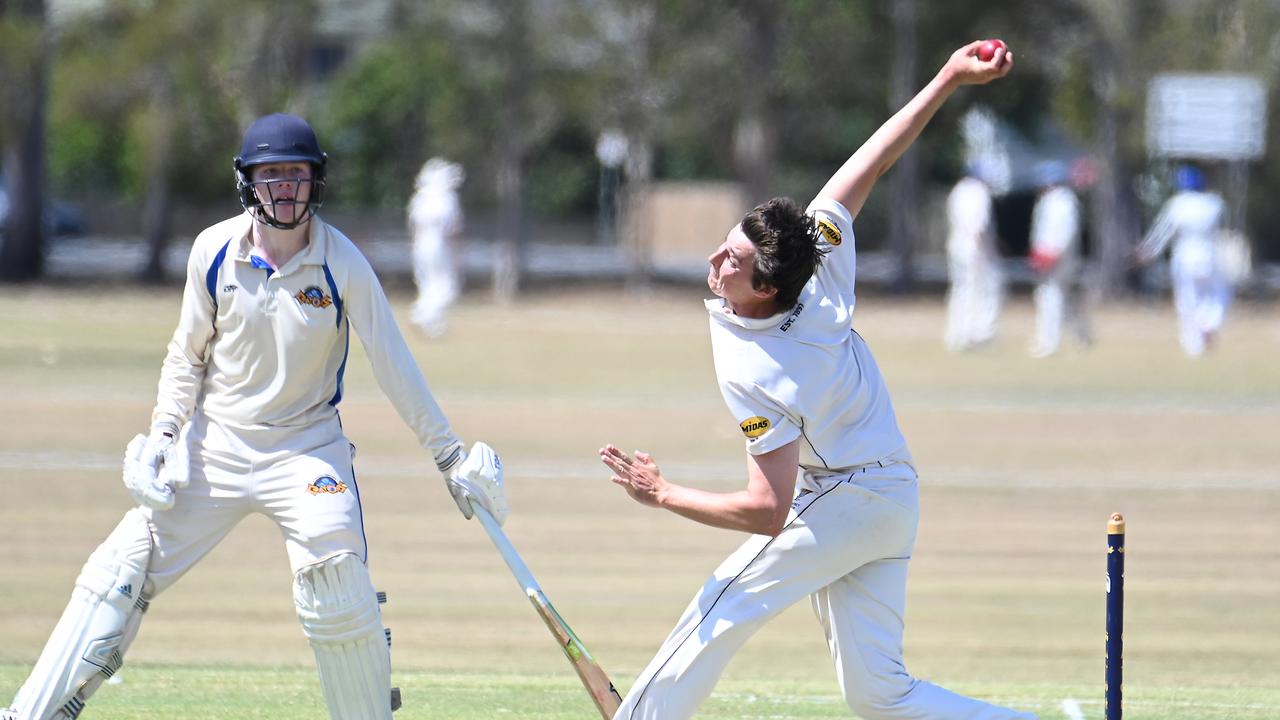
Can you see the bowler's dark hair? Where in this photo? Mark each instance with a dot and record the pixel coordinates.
(787, 252)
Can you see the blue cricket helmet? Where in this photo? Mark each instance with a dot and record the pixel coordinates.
(280, 138)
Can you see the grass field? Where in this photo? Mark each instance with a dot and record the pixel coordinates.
(1021, 462)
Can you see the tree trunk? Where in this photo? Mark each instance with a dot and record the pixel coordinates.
(23, 242)
(512, 146)
(904, 184)
(636, 222)
(755, 136)
(1113, 212)
(157, 213)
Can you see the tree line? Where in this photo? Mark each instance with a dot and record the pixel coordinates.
(144, 102)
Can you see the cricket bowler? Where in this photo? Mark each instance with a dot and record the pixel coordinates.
(810, 401)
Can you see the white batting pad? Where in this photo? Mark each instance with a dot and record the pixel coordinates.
(338, 608)
(88, 644)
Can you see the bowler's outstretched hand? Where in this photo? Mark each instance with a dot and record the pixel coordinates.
(966, 68)
(638, 473)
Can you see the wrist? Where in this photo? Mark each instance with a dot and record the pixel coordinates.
(164, 427)
(948, 78)
(666, 496)
(450, 457)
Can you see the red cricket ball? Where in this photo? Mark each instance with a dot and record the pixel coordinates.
(987, 50)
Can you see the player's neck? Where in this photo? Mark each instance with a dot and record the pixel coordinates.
(278, 246)
(754, 309)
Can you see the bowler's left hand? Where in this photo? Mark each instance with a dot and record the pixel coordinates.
(638, 473)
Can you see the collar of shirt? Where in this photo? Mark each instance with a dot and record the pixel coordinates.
(313, 254)
(719, 310)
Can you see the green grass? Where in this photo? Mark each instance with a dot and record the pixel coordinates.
(1021, 462)
(286, 693)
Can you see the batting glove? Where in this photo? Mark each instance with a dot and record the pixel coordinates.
(477, 480)
(153, 467)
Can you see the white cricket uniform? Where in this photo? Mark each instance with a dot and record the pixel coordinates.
(253, 377)
(1192, 221)
(1055, 232)
(973, 266)
(435, 217)
(805, 375)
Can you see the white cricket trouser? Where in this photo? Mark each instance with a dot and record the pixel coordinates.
(846, 546)
(435, 272)
(1200, 295)
(1050, 298)
(302, 480)
(973, 301)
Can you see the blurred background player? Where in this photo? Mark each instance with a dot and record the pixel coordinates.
(973, 262)
(435, 220)
(1191, 220)
(808, 395)
(1055, 258)
(246, 421)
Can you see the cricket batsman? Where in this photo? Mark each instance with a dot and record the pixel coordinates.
(246, 421)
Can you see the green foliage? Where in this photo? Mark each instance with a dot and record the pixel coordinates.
(84, 156)
(393, 107)
(564, 177)
(432, 83)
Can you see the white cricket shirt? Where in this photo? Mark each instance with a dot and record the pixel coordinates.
(804, 373)
(264, 351)
(1055, 222)
(969, 218)
(1191, 220)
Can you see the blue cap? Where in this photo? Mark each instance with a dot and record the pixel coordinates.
(1188, 177)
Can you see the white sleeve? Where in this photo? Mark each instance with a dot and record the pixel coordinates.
(182, 373)
(835, 234)
(761, 421)
(1160, 234)
(394, 366)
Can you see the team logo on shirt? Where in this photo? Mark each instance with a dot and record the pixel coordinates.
(314, 297)
(829, 231)
(328, 485)
(754, 427)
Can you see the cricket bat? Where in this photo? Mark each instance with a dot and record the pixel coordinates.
(602, 691)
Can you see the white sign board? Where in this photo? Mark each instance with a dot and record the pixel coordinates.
(1214, 117)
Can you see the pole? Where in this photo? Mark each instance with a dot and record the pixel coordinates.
(1115, 617)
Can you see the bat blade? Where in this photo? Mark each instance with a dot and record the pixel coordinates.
(593, 677)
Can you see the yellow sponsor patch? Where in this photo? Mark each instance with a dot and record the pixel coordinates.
(829, 231)
(754, 427)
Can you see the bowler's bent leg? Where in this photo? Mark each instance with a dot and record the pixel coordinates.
(829, 532)
(862, 615)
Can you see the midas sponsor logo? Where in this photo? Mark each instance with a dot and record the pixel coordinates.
(829, 231)
(754, 427)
